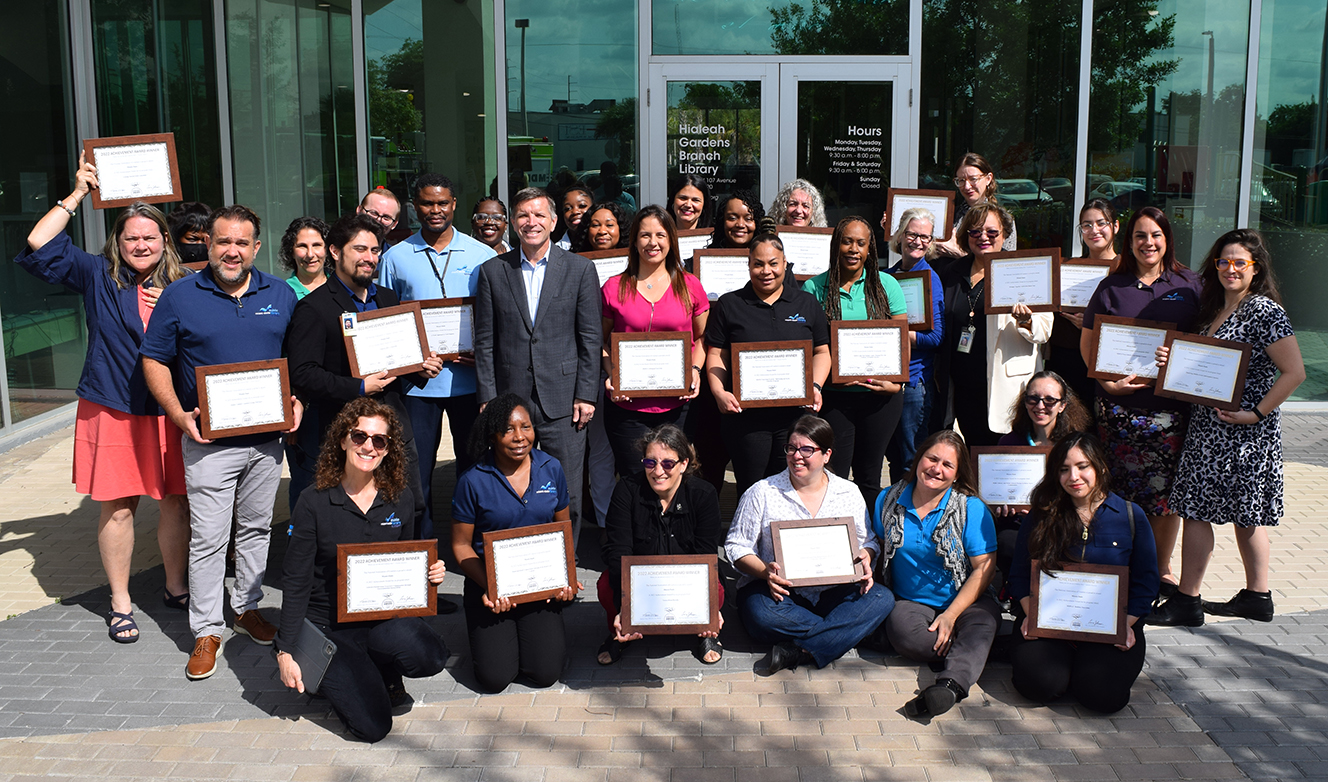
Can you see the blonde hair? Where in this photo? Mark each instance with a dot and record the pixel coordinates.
(168, 268)
(909, 215)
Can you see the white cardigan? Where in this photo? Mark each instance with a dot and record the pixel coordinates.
(1014, 355)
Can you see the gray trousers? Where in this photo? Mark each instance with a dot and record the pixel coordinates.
(225, 483)
(560, 439)
(974, 631)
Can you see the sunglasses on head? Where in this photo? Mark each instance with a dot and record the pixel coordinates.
(380, 441)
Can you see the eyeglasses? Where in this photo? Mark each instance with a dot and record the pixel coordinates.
(1088, 225)
(380, 217)
(976, 233)
(483, 218)
(1239, 264)
(972, 180)
(1044, 401)
(667, 464)
(913, 238)
(805, 451)
(380, 441)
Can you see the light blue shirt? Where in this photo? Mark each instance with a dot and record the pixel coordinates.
(532, 274)
(415, 271)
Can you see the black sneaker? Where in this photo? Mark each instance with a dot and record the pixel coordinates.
(1179, 610)
(1246, 604)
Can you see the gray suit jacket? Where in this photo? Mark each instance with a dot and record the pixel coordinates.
(556, 357)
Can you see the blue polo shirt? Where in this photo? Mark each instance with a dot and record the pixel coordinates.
(483, 497)
(195, 325)
(415, 271)
(916, 570)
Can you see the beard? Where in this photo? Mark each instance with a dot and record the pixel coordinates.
(235, 279)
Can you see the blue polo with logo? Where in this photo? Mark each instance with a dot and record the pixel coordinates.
(483, 497)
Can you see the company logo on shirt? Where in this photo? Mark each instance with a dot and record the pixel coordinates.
(270, 309)
(391, 521)
(547, 488)
(795, 318)
(1174, 296)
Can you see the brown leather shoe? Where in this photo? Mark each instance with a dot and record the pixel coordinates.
(252, 624)
(203, 662)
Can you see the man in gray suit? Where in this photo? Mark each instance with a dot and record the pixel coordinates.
(538, 334)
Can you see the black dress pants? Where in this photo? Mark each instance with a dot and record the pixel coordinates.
(529, 640)
(1098, 675)
(755, 440)
(863, 422)
(626, 427)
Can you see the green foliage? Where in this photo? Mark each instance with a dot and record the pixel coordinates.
(619, 122)
(392, 113)
(838, 26)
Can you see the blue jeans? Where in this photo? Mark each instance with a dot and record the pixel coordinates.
(918, 400)
(828, 627)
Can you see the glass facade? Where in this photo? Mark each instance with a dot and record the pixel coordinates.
(714, 131)
(847, 27)
(844, 144)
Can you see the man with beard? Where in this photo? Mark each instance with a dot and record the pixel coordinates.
(227, 313)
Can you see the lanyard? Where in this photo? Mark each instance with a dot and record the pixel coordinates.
(442, 286)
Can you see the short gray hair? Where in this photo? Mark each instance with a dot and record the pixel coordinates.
(909, 215)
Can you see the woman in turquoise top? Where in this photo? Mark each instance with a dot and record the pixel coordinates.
(870, 408)
(304, 253)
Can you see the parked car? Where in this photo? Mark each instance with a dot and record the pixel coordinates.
(1020, 192)
(1110, 190)
(1058, 187)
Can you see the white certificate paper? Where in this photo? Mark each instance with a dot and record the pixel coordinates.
(387, 343)
(869, 352)
(809, 254)
(1082, 602)
(1021, 281)
(387, 582)
(915, 298)
(933, 204)
(239, 399)
(1009, 478)
(1128, 350)
(533, 563)
(607, 268)
(690, 244)
(450, 329)
(650, 365)
(133, 171)
(816, 552)
(723, 273)
(772, 374)
(1203, 370)
(670, 594)
(1079, 282)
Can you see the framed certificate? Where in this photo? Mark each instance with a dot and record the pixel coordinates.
(675, 594)
(869, 349)
(1204, 370)
(917, 298)
(608, 263)
(134, 168)
(449, 326)
(816, 552)
(1079, 602)
(651, 363)
(939, 202)
(1121, 347)
(1007, 474)
(806, 249)
(1079, 278)
(245, 398)
(721, 271)
(532, 563)
(772, 374)
(385, 580)
(1029, 277)
(390, 339)
(692, 239)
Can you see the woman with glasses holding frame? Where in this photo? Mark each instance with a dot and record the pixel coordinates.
(975, 180)
(1230, 470)
(663, 509)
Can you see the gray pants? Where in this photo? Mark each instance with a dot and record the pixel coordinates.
(228, 482)
(560, 439)
(974, 631)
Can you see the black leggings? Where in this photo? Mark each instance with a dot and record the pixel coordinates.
(863, 422)
(391, 650)
(1098, 675)
(528, 640)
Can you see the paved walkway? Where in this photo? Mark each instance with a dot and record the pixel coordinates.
(1229, 700)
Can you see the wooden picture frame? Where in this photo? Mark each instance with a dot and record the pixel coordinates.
(940, 202)
(928, 323)
(1053, 269)
(196, 266)
(618, 338)
(205, 418)
(1122, 574)
(721, 255)
(490, 568)
(1073, 262)
(150, 142)
(1230, 403)
(690, 240)
(1113, 320)
(792, 237)
(738, 349)
(976, 453)
(608, 263)
(438, 304)
(777, 529)
(899, 325)
(710, 561)
(347, 550)
(411, 308)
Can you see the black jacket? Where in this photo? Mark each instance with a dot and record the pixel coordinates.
(635, 526)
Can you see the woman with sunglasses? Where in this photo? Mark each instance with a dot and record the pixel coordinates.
(805, 624)
(1230, 470)
(663, 509)
(975, 180)
(998, 353)
(488, 223)
(360, 495)
(512, 484)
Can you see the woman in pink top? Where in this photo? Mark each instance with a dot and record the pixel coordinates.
(654, 294)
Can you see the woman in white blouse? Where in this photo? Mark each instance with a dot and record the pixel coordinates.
(805, 624)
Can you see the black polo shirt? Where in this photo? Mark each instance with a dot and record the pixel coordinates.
(740, 316)
(322, 520)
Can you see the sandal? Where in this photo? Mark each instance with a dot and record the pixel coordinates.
(706, 646)
(123, 623)
(613, 648)
(180, 602)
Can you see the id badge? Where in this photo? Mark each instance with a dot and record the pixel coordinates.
(966, 339)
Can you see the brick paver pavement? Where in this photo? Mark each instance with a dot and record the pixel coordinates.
(1229, 700)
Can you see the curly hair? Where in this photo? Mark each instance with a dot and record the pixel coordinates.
(707, 216)
(896, 243)
(977, 216)
(878, 304)
(965, 480)
(188, 217)
(671, 437)
(779, 209)
(1212, 299)
(168, 268)
(720, 237)
(390, 476)
(432, 179)
(493, 422)
(581, 233)
(1073, 417)
(1055, 520)
(286, 253)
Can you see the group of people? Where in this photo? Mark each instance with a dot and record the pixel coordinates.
(530, 408)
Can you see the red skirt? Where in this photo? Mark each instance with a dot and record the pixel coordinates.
(121, 455)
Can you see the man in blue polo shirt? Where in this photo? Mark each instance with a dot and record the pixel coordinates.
(437, 262)
(227, 313)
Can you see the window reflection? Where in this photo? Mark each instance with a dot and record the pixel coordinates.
(858, 27)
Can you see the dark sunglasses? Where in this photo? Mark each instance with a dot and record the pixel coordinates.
(380, 441)
(667, 464)
(1045, 401)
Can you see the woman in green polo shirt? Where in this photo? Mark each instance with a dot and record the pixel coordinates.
(864, 413)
